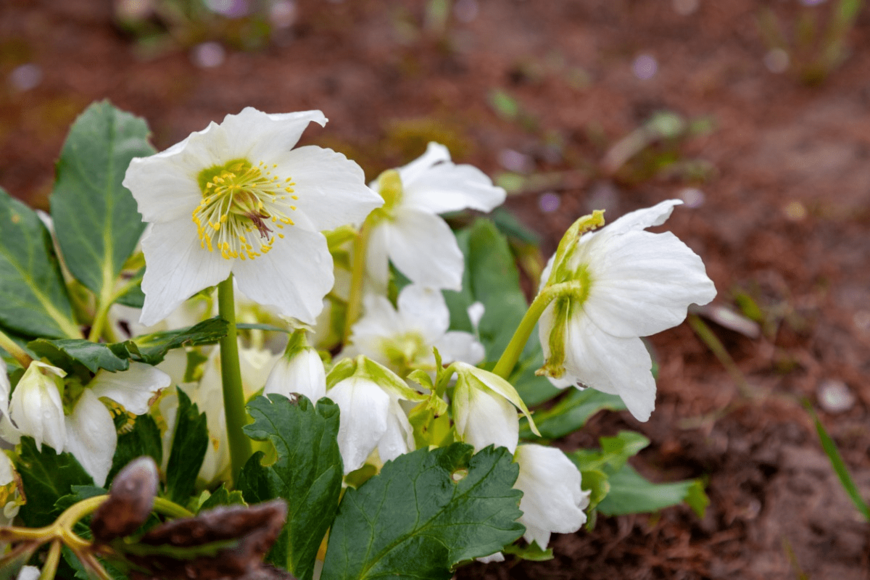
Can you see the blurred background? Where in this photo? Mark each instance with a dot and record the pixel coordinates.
(756, 114)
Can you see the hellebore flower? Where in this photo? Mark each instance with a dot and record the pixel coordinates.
(553, 500)
(299, 370)
(625, 283)
(403, 339)
(368, 396)
(10, 498)
(88, 432)
(237, 198)
(485, 409)
(408, 230)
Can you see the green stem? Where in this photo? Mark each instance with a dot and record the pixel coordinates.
(170, 508)
(50, 567)
(514, 349)
(354, 302)
(234, 395)
(16, 351)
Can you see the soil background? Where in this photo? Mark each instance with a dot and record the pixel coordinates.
(781, 213)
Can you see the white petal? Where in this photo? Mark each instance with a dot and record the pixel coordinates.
(133, 388)
(448, 187)
(497, 557)
(424, 249)
(7, 473)
(425, 310)
(36, 408)
(255, 364)
(303, 374)
(596, 359)
(435, 153)
(377, 257)
(475, 313)
(91, 436)
(483, 418)
(642, 283)
(553, 499)
(331, 189)
(398, 439)
(643, 218)
(364, 407)
(457, 345)
(177, 268)
(28, 573)
(293, 277)
(257, 136)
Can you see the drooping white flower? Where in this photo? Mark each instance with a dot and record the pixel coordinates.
(237, 198)
(88, 432)
(368, 396)
(299, 370)
(409, 231)
(630, 283)
(553, 500)
(403, 339)
(485, 409)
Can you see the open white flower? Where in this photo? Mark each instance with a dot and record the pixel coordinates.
(368, 396)
(403, 339)
(237, 198)
(630, 283)
(88, 432)
(485, 409)
(553, 500)
(409, 232)
(299, 370)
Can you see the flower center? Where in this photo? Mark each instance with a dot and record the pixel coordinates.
(405, 351)
(239, 204)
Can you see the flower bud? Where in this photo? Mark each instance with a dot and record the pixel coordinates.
(300, 370)
(36, 407)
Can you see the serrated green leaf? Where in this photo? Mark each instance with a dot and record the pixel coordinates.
(414, 520)
(222, 497)
(189, 445)
(631, 493)
(68, 353)
(47, 476)
(151, 348)
(143, 439)
(571, 412)
(308, 473)
(613, 455)
(95, 217)
(33, 297)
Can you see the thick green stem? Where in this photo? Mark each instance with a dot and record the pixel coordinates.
(234, 395)
(511, 354)
(16, 351)
(354, 302)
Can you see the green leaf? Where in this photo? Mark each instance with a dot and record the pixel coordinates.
(415, 520)
(33, 297)
(144, 439)
(222, 497)
(69, 353)
(594, 481)
(188, 450)
(151, 348)
(613, 455)
(531, 552)
(308, 473)
(631, 493)
(571, 412)
(47, 477)
(259, 326)
(95, 217)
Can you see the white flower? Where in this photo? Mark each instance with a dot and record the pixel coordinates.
(28, 573)
(631, 283)
(237, 198)
(36, 410)
(485, 409)
(368, 396)
(10, 499)
(553, 500)
(409, 232)
(403, 339)
(299, 370)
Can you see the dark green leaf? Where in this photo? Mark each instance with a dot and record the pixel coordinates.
(571, 412)
(67, 353)
(613, 455)
(144, 439)
(33, 297)
(414, 520)
(151, 348)
(509, 225)
(95, 217)
(47, 477)
(258, 326)
(631, 493)
(222, 496)
(188, 450)
(307, 474)
(531, 552)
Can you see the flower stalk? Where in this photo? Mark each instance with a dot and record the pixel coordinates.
(16, 351)
(231, 375)
(354, 302)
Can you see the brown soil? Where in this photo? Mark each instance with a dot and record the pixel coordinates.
(785, 218)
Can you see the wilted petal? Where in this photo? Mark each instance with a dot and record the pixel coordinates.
(91, 436)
